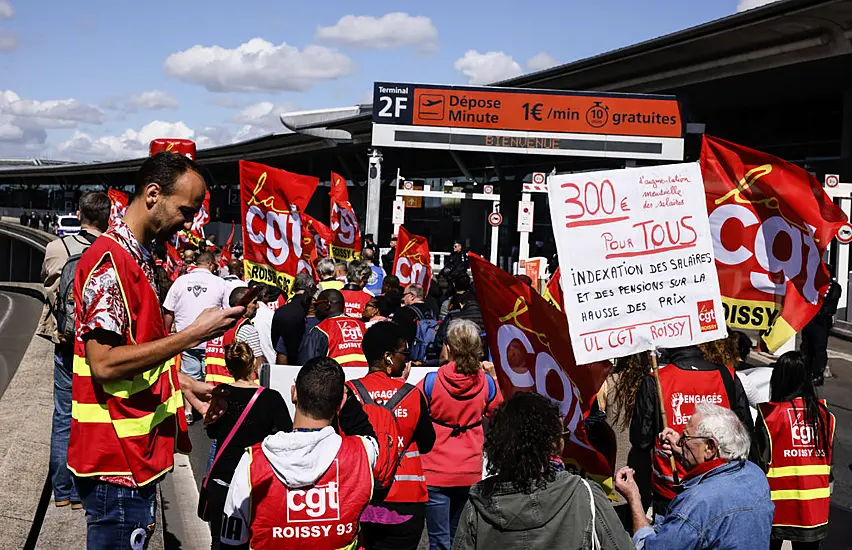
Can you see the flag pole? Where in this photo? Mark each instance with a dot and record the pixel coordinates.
(652, 354)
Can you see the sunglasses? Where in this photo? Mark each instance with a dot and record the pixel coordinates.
(318, 302)
(406, 353)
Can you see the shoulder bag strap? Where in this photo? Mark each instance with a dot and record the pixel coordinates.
(233, 431)
(596, 543)
(397, 398)
(728, 381)
(362, 392)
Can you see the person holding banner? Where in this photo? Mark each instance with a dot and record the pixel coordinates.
(724, 501)
(687, 379)
(530, 500)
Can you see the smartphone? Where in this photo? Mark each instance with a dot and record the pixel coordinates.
(249, 296)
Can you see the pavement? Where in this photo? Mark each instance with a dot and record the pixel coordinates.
(19, 315)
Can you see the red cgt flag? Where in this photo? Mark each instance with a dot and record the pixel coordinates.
(315, 239)
(771, 222)
(346, 244)
(532, 351)
(118, 204)
(228, 249)
(553, 292)
(412, 263)
(173, 262)
(272, 201)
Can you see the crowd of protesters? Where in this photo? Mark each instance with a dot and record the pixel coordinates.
(375, 462)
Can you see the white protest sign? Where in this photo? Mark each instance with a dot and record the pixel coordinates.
(638, 270)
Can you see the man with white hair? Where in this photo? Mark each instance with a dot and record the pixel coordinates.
(724, 499)
(326, 270)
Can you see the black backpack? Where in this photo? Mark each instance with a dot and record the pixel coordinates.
(63, 310)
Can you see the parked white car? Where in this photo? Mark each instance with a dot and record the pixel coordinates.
(67, 225)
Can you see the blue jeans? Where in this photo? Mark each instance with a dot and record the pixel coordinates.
(192, 363)
(117, 517)
(60, 476)
(443, 512)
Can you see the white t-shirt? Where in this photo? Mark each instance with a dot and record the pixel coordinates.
(194, 292)
(263, 324)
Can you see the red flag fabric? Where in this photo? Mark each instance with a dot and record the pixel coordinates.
(532, 351)
(228, 249)
(553, 292)
(412, 263)
(173, 262)
(346, 244)
(771, 222)
(315, 240)
(118, 204)
(272, 201)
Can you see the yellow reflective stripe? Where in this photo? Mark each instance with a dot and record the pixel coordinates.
(90, 412)
(784, 471)
(351, 357)
(214, 360)
(126, 427)
(221, 378)
(803, 494)
(124, 388)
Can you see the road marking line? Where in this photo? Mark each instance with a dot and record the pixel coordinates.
(197, 533)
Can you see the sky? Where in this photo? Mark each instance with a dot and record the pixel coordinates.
(96, 80)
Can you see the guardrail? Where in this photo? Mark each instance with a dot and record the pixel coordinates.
(21, 252)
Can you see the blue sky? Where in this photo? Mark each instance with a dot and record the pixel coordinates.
(97, 79)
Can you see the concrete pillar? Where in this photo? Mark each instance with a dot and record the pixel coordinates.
(374, 193)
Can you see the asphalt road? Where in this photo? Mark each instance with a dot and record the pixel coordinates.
(19, 315)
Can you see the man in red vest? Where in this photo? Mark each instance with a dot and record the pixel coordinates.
(687, 379)
(126, 422)
(337, 335)
(308, 488)
(397, 523)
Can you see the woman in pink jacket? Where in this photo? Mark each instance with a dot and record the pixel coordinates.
(460, 394)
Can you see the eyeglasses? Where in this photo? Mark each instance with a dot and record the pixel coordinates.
(406, 353)
(683, 439)
(318, 302)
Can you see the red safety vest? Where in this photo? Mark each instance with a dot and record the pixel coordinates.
(129, 427)
(354, 302)
(322, 516)
(344, 340)
(682, 390)
(214, 356)
(409, 483)
(798, 470)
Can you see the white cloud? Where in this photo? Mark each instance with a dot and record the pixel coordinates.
(541, 61)
(389, 31)
(6, 11)
(152, 101)
(10, 132)
(257, 65)
(132, 143)
(264, 114)
(62, 112)
(8, 40)
(486, 68)
(751, 4)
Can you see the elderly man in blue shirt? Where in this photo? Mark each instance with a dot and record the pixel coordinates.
(724, 501)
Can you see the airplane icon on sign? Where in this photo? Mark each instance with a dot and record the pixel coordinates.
(431, 107)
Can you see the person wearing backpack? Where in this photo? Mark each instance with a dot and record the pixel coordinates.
(460, 394)
(397, 522)
(57, 274)
(420, 327)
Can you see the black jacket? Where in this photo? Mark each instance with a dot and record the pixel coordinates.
(455, 266)
(387, 261)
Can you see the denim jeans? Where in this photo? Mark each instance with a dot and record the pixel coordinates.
(192, 363)
(60, 476)
(117, 517)
(443, 512)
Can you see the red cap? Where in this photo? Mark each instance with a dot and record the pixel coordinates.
(173, 145)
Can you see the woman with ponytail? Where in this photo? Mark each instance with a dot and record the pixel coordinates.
(234, 431)
(793, 442)
(460, 394)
